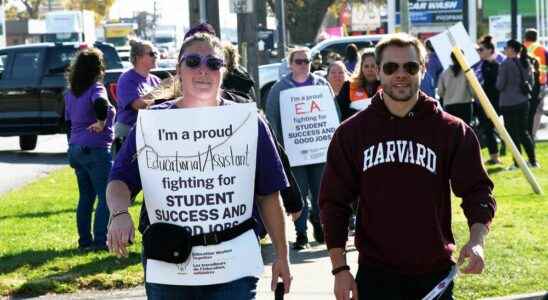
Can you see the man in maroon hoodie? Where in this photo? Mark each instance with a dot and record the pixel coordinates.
(401, 157)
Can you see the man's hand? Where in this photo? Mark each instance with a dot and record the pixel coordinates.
(120, 232)
(473, 250)
(344, 284)
(476, 259)
(280, 269)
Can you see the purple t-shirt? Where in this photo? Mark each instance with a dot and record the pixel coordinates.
(269, 173)
(81, 113)
(131, 86)
(308, 81)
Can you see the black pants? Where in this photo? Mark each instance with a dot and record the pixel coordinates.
(378, 283)
(462, 110)
(516, 121)
(535, 101)
(488, 131)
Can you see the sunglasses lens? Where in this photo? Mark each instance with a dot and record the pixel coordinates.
(193, 61)
(214, 63)
(411, 67)
(390, 68)
(301, 61)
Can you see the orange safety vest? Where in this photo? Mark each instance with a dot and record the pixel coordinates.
(538, 51)
(357, 92)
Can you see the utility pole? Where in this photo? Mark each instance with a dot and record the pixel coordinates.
(391, 7)
(247, 40)
(194, 12)
(514, 17)
(404, 16)
(212, 15)
(473, 19)
(282, 37)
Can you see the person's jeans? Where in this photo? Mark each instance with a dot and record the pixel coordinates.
(380, 283)
(308, 178)
(92, 167)
(241, 289)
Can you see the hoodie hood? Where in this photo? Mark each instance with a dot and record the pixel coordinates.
(425, 107)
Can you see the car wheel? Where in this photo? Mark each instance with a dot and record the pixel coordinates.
(27, 142)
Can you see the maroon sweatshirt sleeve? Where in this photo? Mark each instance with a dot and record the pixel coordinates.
(339, 188)
(469, 180)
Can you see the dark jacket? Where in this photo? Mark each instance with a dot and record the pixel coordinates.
(238, 80)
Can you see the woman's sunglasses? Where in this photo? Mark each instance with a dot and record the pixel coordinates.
(410, 67)
(300, 61)
(194, 61)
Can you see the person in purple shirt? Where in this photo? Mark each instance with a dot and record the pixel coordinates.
(89, 118)
(200, 71)
(132, 86)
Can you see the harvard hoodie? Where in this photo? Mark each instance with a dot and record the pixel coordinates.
(402, 170)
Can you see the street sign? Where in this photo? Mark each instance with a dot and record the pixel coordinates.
(241, 6)
(433, 11)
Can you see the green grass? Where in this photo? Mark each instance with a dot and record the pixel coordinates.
(38, 240)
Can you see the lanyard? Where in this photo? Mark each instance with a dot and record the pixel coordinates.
(440, 287)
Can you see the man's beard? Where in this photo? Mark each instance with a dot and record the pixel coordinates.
(407, 96)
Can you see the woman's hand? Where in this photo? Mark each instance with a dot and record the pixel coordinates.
(97, 126)
(121, 234)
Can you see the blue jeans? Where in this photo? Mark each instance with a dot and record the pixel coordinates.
(92, 166)
(241, 289)
(308, 178)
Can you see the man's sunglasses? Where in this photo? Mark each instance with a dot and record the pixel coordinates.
(194, 61)
(410, 67)
(300, 61)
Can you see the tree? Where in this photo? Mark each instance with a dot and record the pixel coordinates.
(100, 7)
(304, 18)
(32, 7)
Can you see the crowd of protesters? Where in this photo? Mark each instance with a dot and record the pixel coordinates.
(403, 119)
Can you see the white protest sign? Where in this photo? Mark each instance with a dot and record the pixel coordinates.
(197, 168)
(309, 119)
(442, 45)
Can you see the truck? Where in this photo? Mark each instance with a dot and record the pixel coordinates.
(32, 87)
(119, 34)
(165, 37)
(70, 26)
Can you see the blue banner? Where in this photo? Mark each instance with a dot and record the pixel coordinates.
(433, 11)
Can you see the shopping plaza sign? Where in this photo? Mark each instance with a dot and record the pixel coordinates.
(433, 11)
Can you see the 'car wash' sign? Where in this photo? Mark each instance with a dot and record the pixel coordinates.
(433, 11)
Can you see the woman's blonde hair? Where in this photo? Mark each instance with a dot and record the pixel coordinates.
(137, 48)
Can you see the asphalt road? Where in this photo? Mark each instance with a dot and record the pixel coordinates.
(19, 167)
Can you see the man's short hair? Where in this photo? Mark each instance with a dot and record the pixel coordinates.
(531, 35)
(400, 40)
(292, 53)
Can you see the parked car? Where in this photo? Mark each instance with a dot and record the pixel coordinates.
(32, 84)
(269, 74)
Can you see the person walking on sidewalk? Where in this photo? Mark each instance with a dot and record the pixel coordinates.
(132, 86)
(89, 118)
(308, 177)
(402, 156)
(200, 70)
